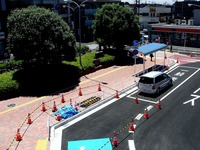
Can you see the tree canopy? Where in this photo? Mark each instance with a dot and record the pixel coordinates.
(115, 25)
(39, 37)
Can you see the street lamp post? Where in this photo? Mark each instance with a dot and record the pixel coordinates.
(79, 31)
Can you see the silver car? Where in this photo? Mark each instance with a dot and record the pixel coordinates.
(153, 82)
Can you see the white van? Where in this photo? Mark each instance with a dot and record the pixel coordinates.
(153, 82)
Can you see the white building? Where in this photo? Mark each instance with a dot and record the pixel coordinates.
(154, 14)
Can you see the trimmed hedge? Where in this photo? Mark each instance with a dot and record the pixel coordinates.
(16, 82)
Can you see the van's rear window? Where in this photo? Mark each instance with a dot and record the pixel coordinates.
(146, 80)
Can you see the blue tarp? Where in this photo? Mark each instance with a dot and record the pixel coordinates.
(151, 48)
(66, 112)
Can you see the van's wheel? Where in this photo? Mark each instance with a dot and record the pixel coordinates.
(158, 91)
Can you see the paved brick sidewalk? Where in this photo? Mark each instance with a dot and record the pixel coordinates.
(111, 79)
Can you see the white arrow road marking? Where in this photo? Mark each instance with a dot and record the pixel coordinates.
(192, 100)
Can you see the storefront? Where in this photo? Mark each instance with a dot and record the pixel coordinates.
(179, 35)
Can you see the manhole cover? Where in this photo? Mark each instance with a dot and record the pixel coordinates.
(11, 105)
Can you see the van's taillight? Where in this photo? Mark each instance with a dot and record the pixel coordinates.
(153, 87)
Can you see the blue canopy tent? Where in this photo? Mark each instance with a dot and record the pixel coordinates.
(151, 48)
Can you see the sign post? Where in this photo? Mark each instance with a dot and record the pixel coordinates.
(135, 52)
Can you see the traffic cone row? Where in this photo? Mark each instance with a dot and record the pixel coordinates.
(115, 141)
(117, 95)
(29, 121)
(18, 136)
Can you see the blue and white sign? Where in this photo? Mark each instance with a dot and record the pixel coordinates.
(135, 43)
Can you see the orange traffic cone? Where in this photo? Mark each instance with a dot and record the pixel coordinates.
(99, 87)
(117, 95)
(29, 119)
(58, 117)
(43, 107)
(131, 127)
(158, 105)
(136, 99)
(146, 114)
(80, 92)
(18, 136)
(54, 107)
(62, 99)
(115, 141)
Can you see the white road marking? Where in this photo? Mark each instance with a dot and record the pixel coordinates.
(184, 70)
(196, 91)
(150, 107)
(140, 99)
(131, 145)
(192, 100)
(179, 85)
(139, 116)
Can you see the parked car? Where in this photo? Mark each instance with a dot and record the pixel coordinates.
(153, 82)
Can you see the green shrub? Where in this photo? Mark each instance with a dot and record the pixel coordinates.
(7, 84)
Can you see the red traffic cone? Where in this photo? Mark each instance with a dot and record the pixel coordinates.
(158, 105)
(80, 92)
(43, 107)
(18, 136)
(117, 95)
(54, 107)
(146, 114)
(166, 68)
(136, 99)
(58, 117)
(70, 101)
(115, 141)
(29, 119)
(62, 99)
(177, 61)
(99, 87)
(76, 106)
(165, 56)
(131, 127)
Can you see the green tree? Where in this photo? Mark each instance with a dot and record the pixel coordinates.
(115, 25)
(39, 37)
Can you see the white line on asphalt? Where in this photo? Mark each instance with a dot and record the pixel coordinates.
(149, 107)
(131, 145)
(190, 60)
(140, 99)
(184, 70)
(179, 85)
(196, 91)
(189, 67)
(139, 116)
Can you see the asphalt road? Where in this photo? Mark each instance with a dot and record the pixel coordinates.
(174, 127)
